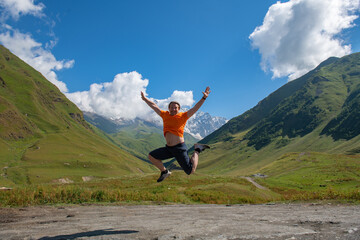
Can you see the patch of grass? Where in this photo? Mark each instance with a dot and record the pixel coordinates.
(179, 188)
(292, 177)
(65, 155)
(309, 175)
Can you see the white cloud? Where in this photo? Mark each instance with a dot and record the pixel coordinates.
(299, 34)
(121, 98)
(32, 52)
(185, 98)
(25, 47)
(15, 8)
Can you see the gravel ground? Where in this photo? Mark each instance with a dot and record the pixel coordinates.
(278, 221)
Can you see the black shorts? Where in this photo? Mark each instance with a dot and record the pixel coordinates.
(179, 152)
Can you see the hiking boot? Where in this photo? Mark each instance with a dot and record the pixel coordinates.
(164, 174)
(200, 147)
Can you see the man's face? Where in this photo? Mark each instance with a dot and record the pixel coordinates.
(174, 109)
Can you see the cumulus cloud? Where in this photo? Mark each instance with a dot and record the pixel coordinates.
(15, 8)
(117, 99)
(185, 98)
(299, 34)
(32, 52)
(121, 98)
(25, 47)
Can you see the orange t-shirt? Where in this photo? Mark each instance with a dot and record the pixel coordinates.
(174, 124)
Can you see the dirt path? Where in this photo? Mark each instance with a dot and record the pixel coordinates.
(255, 183)
(279, 221)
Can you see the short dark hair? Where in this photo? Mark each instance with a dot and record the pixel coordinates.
(175, 103)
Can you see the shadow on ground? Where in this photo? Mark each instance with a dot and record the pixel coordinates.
(90, 234)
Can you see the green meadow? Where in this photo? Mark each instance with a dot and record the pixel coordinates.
(306, 176)
(311, 175)
(142, 189)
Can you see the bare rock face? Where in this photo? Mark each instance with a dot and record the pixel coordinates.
(63, 181)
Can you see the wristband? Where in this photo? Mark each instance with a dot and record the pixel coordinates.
(204, 98)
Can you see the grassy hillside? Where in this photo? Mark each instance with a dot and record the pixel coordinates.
(263, 109)
(309, 175)
(43, 136)
(141, 140)
(137, 137)
(318, 112)
(310, 170)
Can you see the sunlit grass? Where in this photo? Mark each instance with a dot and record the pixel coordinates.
(305, 176)
(179, 189)
(309, 176)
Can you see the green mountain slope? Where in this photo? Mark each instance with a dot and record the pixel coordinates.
(137, 137)
(43, 136)
(317, 112)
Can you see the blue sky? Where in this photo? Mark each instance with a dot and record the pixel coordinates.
(243, 50)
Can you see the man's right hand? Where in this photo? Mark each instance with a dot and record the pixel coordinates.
(143, 96)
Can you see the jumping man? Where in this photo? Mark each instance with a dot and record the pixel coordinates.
(174, 123)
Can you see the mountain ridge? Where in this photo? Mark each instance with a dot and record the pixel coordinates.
(264, 107)
(267, 105)
(316, 112)
(41, 130)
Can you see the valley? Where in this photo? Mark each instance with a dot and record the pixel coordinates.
(304, 138)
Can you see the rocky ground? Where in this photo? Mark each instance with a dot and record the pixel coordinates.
(279, 221)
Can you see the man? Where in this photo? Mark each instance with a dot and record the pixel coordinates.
(174, 123)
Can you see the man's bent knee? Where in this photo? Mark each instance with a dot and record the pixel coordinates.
(152, 158)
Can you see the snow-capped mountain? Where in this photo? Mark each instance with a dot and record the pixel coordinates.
(199, 125)
(202, 124)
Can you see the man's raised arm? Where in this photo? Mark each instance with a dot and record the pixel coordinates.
(193, 110)
(151, 104)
